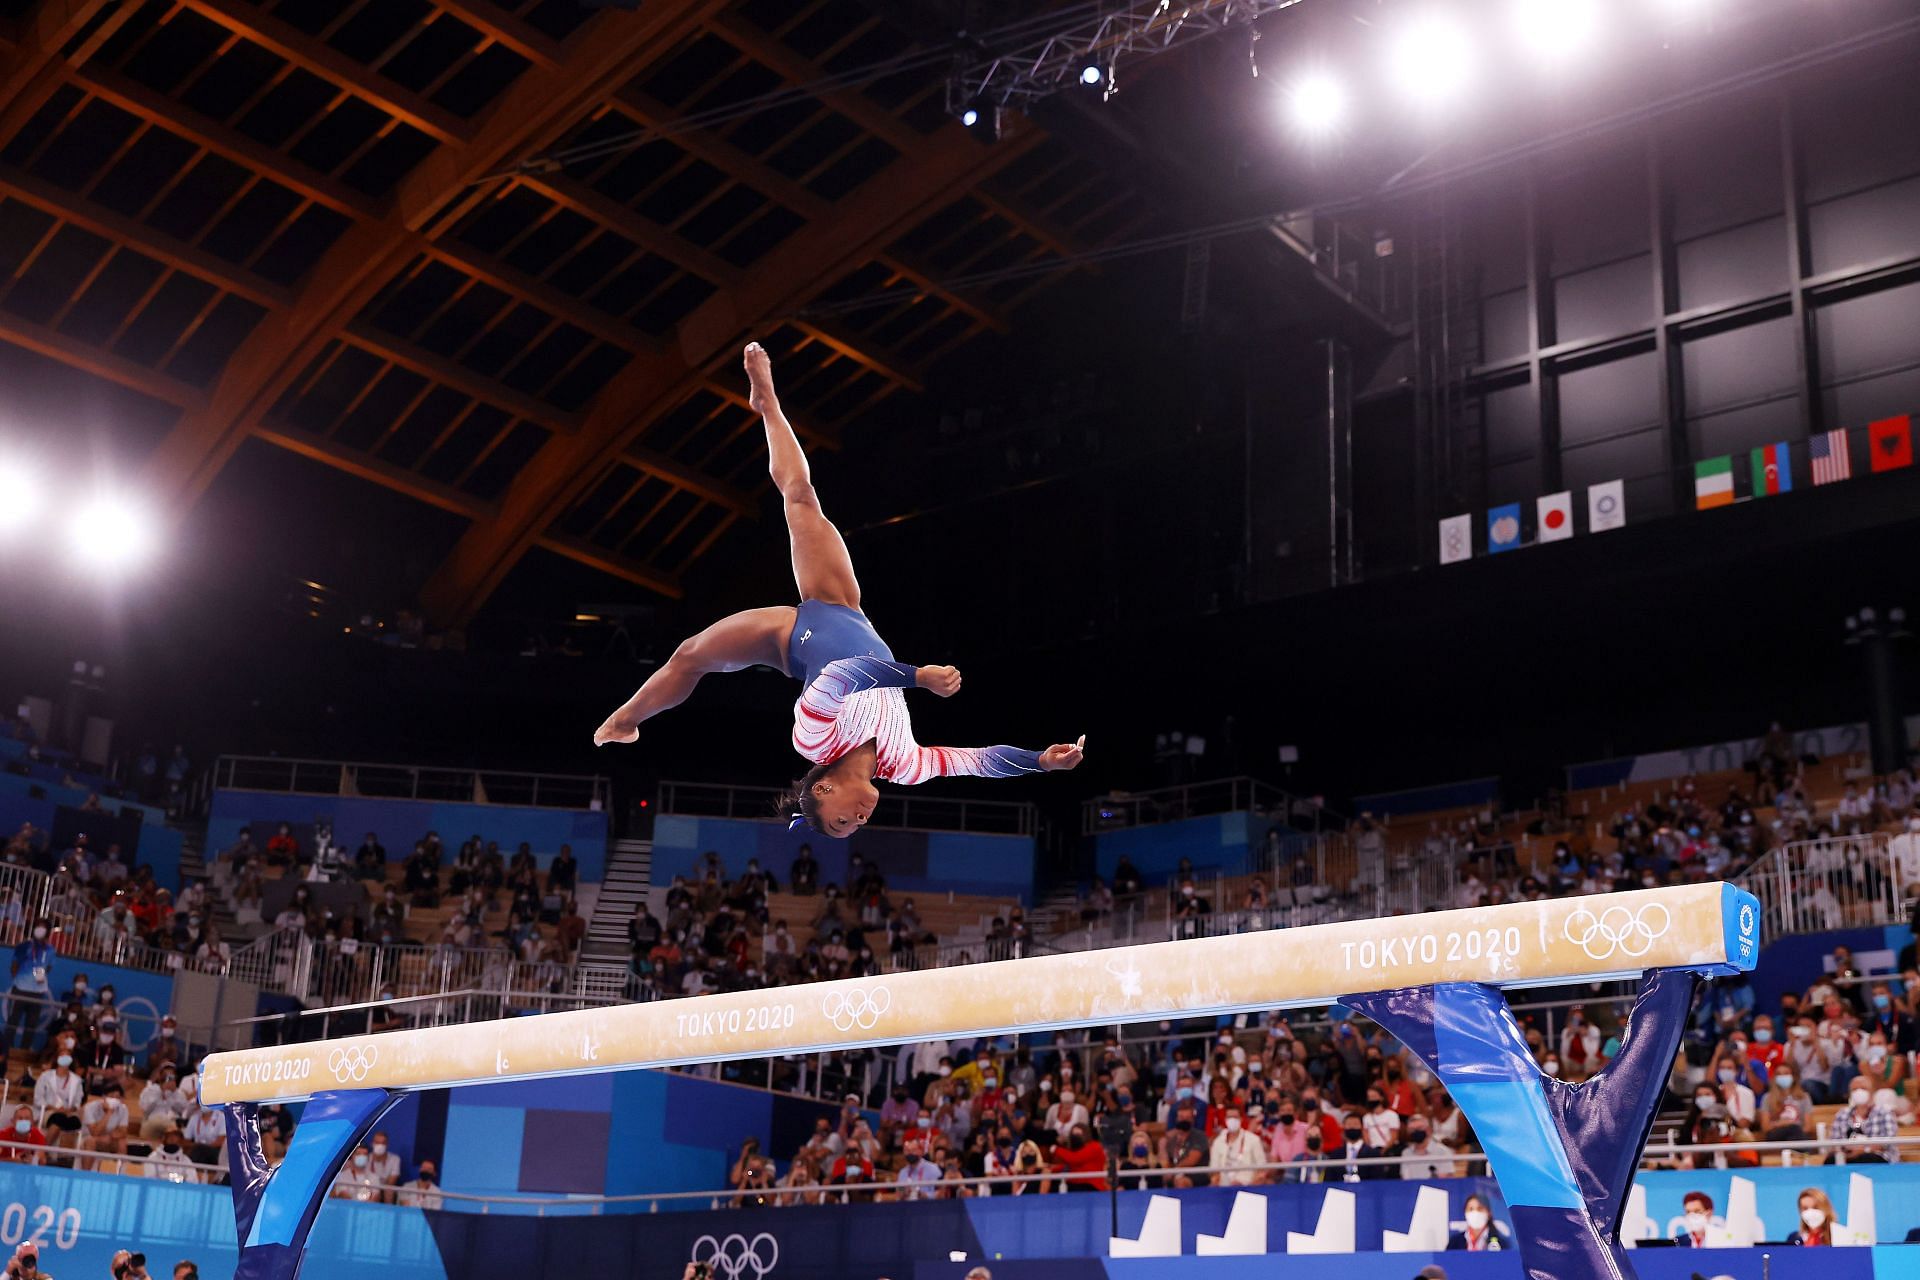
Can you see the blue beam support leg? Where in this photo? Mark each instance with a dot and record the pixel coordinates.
(274, 1209)
(1564, 1154)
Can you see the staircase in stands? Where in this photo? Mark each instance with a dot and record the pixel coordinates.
(628, 881)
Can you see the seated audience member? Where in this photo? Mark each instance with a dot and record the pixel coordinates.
(165, 1049)
(171, 1161)
(357, 1180)
(1425, 1157)
(386, 1165)
(26, 1139)
(370, 859)
(164, 1105)
(1139, 1159)
(1237, 1149)
(1862, 1121)
(424, 1191)
(1184, 1147)
(58, 1096)
(1080, 1154)
(1698, 1207)
(1785, 1091)
(206, 1134)
(917, 1173)
(1480, 1234)
(104, 1121)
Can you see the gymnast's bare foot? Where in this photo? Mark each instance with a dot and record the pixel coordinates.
(760, 379)
(616, 729)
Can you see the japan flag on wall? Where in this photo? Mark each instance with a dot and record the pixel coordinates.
(1555, 513)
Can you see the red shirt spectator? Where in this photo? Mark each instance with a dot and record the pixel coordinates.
(1086, 1157)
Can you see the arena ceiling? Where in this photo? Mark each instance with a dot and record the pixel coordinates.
(314, 223)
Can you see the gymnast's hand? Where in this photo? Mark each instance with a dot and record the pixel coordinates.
(1064, 756)
(944, 681)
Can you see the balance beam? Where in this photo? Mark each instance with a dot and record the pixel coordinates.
(1564, 1154)
(1709, 927)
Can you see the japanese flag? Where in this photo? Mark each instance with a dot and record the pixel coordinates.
(1555, 517)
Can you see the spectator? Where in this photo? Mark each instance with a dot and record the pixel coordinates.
(1184, 1147)
(1861, 1121)
(423, 1192)
(1380, 1125)
(58, 1096)
(917, 1173)
(370, 859)
(185, 1269)
(1139, 1158)
(1238, 1150)
(104, 1121)
(563, 873)
(25, 1139)
(1785, 1092)
(1424, 1157)
(1816, 1219)
(165, 1049)
(171, 1161)
(164, 1105)
(25, 1263)
(1080, 1154)
(1698, 1209)
(32, 964)
(1481, 1234)
(357, 1181)
(128, 1265)
(1357, 1148)
(1066, 1114)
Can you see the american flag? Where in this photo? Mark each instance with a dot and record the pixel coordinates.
(1829, 455)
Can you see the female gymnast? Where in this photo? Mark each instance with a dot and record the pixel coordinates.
(851, 720)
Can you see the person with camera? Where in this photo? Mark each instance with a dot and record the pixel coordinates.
(25, 1263)
(103, 1122)
(128, 1265)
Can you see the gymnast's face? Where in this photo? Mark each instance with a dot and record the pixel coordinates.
(844, 803)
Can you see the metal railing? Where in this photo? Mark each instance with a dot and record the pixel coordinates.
(1833, 882)
(412, 782)
(1123, 809)
(897, 809)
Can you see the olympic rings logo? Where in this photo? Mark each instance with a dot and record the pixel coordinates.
(736, 1256)
(1631, 933)
(860, 1007)
(352, 1063)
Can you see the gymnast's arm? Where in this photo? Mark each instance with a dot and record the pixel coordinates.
(924, 763)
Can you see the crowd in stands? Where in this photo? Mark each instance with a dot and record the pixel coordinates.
(99, 907)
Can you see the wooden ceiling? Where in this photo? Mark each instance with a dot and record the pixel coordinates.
(309, 223)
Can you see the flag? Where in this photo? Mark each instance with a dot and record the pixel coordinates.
(1713, 482)
(1828, 454)
(1606, 506)
(1456, 539)
(1772, 470)
(1890, 443)
(1556, 516)
(1503, 528)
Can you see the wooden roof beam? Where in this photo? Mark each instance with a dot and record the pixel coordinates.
(458, 377)
(622, 221)
(681, 476)
(504, 29)
(613, 562)
(99, 362)
(872, 217)
(367, 466)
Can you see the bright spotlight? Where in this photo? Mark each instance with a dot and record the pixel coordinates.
(1090, 75)
(1557, 29)
(21, 497)
(970, 117)
(1317, 104)
(1432, 58)
(111, 534)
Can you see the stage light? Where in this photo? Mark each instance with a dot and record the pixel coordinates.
(970, 117)
(1317, 103)
(111, 533)
(1090, 75)
(21, 496)
(1432, 58)
(1557, 29)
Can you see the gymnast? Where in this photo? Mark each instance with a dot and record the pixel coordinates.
(851, 720)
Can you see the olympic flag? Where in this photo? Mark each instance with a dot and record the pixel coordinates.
(1714, 927)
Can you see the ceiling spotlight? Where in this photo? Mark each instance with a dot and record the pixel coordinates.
(1556, 29)
(1432, 58)
(1090, 75)
(21, 497)
(970, 117)
(1317, 103)
(111, 533)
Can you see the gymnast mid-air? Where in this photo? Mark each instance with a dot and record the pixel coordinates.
(851, 720)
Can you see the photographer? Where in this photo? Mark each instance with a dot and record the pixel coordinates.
(128, 1265)
(25, 1263)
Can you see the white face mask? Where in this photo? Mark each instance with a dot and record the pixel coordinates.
(359, 1162)
(379, 1148)
(1233, 1123)
(1785, 1079)
(1814, 1218)
(1066, 1099)
(1859, 1097)
(1696, 1222)
(1477, 1219)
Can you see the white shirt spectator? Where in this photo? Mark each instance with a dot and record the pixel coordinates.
(1063, 1115)
(174, 1166)
(357, 1184)
(1905, 852)
(1382, 1127)
(112, 1110)
(208, 1127)
(156, 1098)
(53, 1093)
(1237, 1150)
(1435, 1162)
(386, 1166)
(419, 1195)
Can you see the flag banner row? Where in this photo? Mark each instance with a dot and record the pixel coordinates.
(1768, 472)
(1829, 461)
(1553, 521)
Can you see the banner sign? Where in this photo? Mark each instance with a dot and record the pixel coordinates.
(1706, 926)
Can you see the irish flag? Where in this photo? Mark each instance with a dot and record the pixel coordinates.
(1713, 482)
(1772, 470)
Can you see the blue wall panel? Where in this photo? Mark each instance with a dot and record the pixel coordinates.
(482, 1148)
(401, 822)
(912, 861)
(1217, 841)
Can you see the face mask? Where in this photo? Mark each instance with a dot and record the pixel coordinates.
(39, 933)
(1066, 1099)
(1353, 1135)
(1859, 1097)
(166, 1033)
(1140, 1151)
(171, 1148)
(1184, 1091)
(1286, 1117)
(359, 1162)
(1417, 1135)
(1551, 1066)
(1801, 1033)
(1786, 1079)
(992, 1082)
(1882, 1003)
(923, 1122)
(64, 1060)
(1374, 1104)
(1876, 1053)
(1233, 1124)
(1814, 1218)
(379, 1148)
(945, 1070)
(1726, 1075)
(1183, 1124)
(22, 1126)
(1696, 1222)
(1477, 1219)
(1046, 1086)
(1707, 1105)
(426, 1176)
(79, 986)
(1310, 1104)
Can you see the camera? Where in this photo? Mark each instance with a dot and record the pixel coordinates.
(703, 1271)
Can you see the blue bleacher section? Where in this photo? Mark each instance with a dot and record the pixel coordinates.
(914, 861)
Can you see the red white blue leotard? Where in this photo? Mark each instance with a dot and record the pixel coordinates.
(855, 693)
